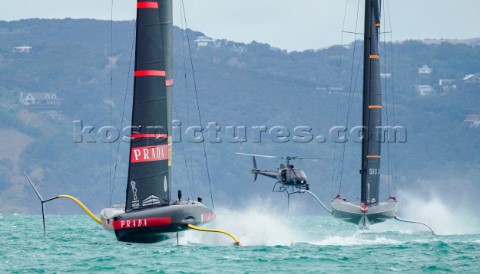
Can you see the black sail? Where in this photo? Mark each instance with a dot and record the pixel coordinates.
(148, 174)
(372, 107)
(166, 22)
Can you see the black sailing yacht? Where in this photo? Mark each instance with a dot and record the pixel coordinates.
(148, 216)
(148, 213)
(370, 210)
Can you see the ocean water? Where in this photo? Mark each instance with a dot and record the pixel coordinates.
(271, 243)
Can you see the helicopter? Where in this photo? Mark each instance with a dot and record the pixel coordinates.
(289, 178)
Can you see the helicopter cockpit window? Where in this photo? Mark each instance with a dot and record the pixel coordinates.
(299, 173)
(304, 175)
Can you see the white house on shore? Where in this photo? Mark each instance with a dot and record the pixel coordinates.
(447, 84)
(425, 70)
(472, 120)
(424, 90)
(471, 79)
(22, 49)
(204, 41)
(40, 100)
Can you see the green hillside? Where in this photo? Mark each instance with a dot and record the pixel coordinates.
(238, 85)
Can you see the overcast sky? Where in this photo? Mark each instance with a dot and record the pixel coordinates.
(287, 24)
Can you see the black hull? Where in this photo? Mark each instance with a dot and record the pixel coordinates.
(353, 213)
(155, 224)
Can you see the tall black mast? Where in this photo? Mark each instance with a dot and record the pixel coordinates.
(372, 106)
(148, 173)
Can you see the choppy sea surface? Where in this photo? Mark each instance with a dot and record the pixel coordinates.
(271, 243)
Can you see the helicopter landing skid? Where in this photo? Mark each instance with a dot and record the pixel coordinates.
(290, 189)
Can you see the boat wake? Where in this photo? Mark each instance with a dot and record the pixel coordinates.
(261, 224)
(264, 223)
(444, 219)
(359, 238)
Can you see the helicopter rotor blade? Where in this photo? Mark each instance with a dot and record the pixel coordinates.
(283, 157)
(259, 155)
(313, 158)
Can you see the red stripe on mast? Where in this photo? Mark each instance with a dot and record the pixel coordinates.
(169, 82)
(147, 5)
(139, 136)
(138, 73)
